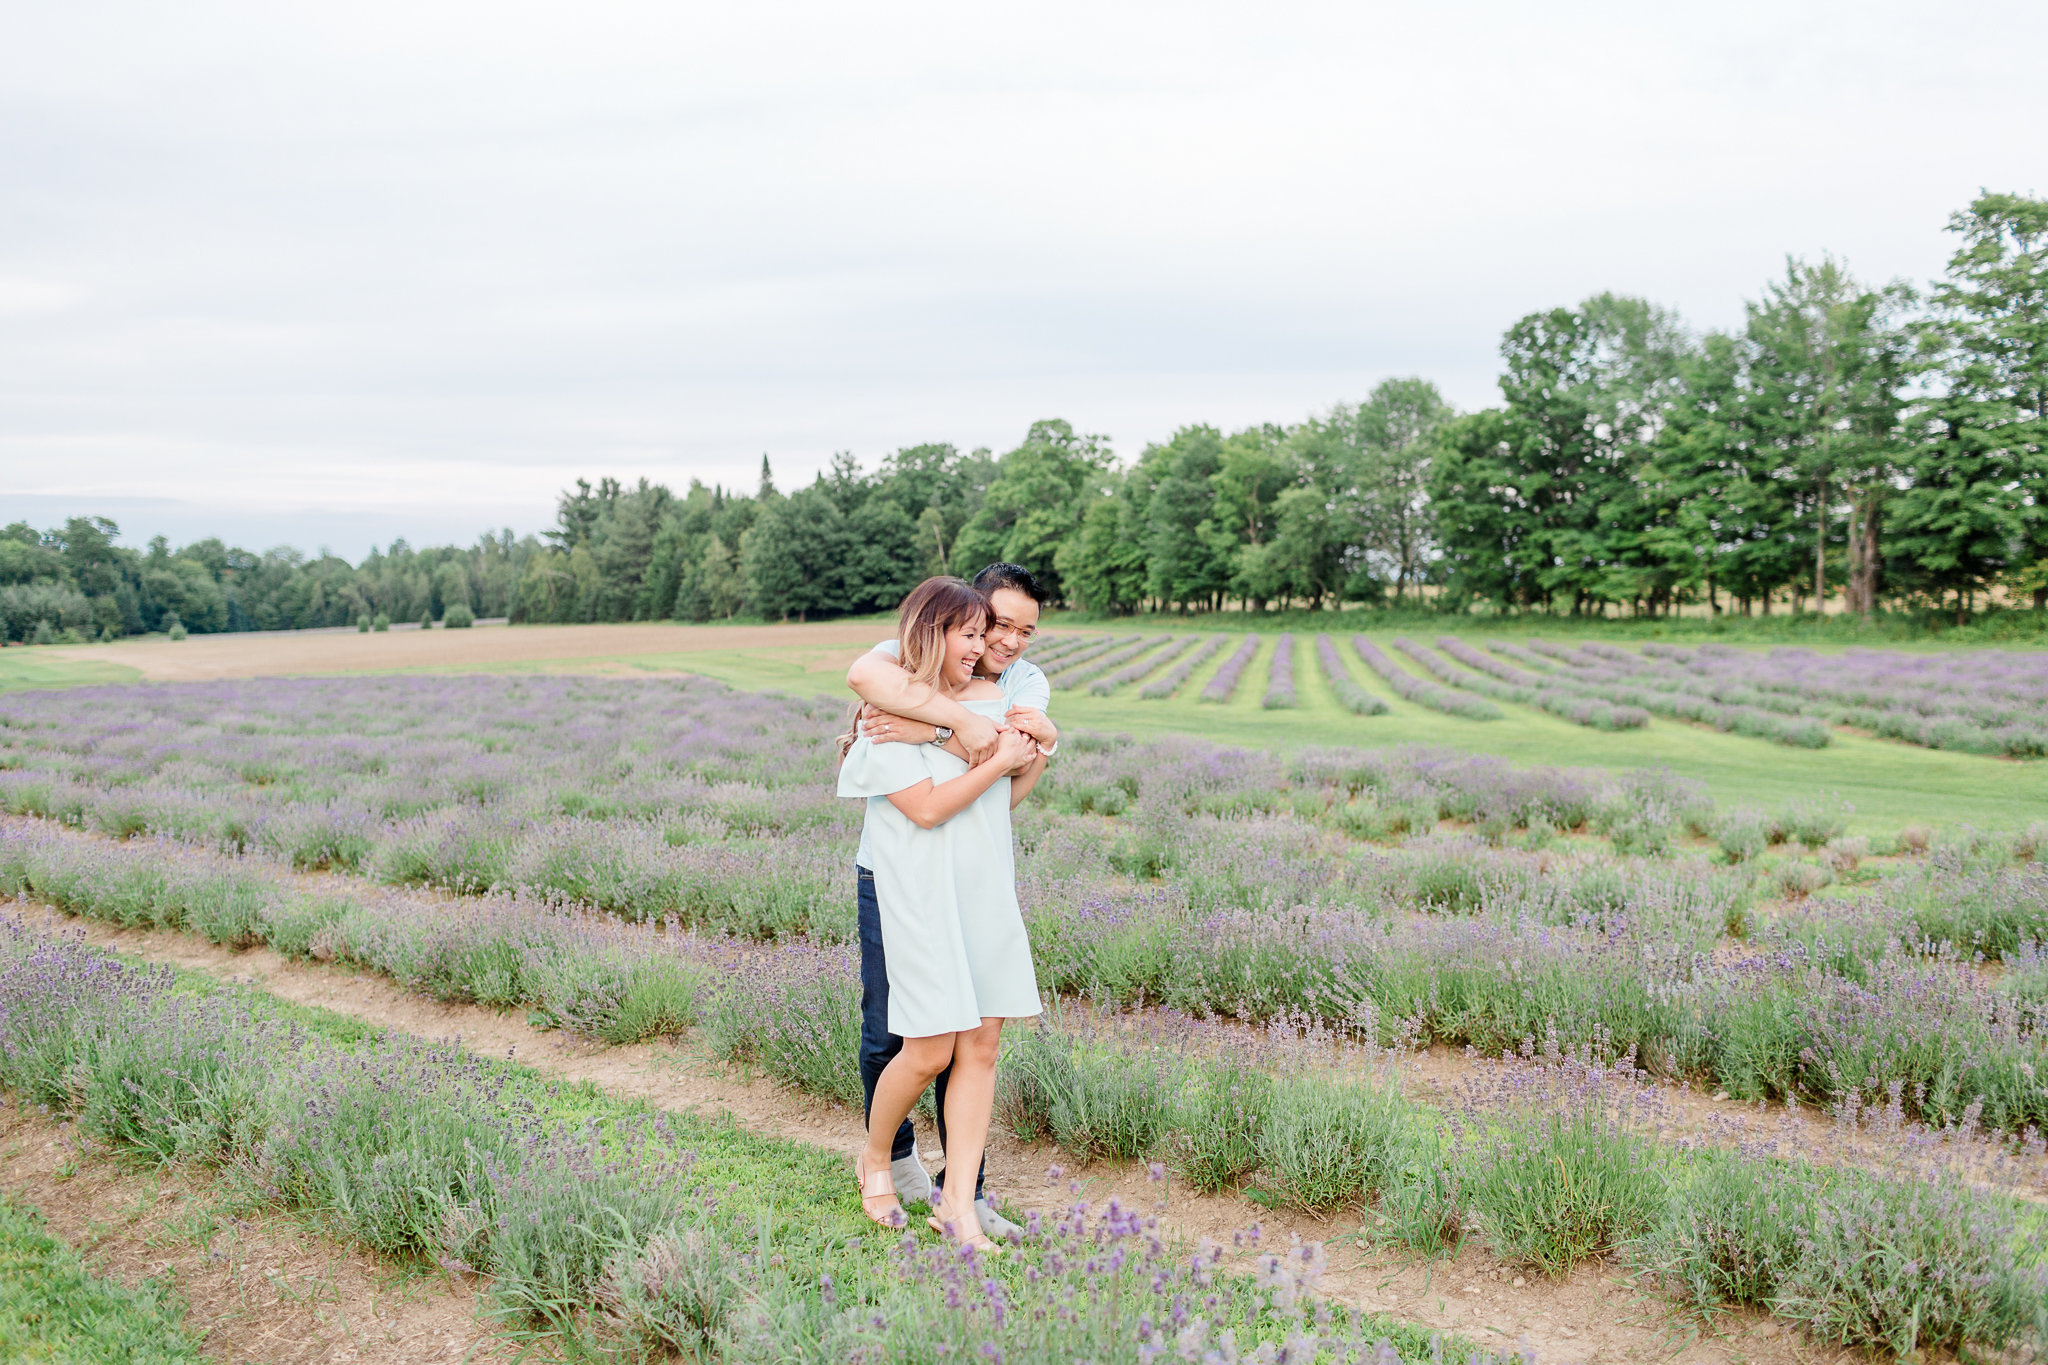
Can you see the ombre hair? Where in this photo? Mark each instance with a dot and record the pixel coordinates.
(933, 608)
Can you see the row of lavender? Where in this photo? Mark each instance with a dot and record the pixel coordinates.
(658, 797)
(1224, 1107)
(1979, 701)
(1609, 673)
(1829, 1005)
(618, 1231)
(1573, 703)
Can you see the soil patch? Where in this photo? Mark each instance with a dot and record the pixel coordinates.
(261, 1285)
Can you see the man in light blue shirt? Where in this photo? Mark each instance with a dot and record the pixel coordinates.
(899, 710)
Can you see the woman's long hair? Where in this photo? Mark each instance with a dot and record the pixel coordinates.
(934, 607)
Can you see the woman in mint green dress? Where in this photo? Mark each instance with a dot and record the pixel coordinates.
(945, 882)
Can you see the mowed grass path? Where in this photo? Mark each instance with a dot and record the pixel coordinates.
(1890, 783)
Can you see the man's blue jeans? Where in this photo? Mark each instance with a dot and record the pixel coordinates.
(877, 1044)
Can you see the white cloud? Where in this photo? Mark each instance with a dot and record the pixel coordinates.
(280, 259)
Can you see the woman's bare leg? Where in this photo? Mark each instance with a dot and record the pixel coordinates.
(906, 1077)
(970, 1101)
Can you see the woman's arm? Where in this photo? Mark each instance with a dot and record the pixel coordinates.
(928, 805)
(1022, 782)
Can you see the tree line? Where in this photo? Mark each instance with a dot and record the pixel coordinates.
(74, 583)
(1878, 443)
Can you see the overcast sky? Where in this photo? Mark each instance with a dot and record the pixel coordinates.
(330, 274)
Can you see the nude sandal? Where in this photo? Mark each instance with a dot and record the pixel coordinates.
(878, 1185)
(980, 1241)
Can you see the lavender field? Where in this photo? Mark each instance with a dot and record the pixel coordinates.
(1242, 946)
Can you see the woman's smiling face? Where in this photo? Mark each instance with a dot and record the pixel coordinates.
(964, 645)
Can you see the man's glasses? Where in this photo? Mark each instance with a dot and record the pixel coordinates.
(1023, 633)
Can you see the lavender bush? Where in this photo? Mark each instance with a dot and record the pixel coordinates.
(1221, 687)
(1280, 677)
(1980, 701)
(1423, 693)
(1343, 686)
(1173, 679)
(1102, 687)
(1503, 683)
(1083, 660)
(1617, 676)
(1101, 665)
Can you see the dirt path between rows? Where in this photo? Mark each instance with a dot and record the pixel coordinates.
(1598, 1314)
(262, 1286)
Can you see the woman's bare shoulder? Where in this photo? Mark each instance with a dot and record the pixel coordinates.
(979, 689)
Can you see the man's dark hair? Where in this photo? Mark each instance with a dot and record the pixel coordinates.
(1014, 576)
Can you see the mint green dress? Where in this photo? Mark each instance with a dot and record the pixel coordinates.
(952, 934)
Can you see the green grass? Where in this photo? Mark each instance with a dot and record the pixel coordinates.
(1889, 783)
(52, 1308)
(26, 668)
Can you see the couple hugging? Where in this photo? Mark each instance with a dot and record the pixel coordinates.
(951, 735)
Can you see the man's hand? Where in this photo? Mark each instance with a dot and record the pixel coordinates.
(885, 727)
(978, 735)
(1034, 723)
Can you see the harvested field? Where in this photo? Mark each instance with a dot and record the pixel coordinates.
(269, 654)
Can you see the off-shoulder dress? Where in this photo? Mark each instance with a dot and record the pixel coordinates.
(951, 928)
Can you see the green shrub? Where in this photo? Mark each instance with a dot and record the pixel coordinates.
(616, 995)
(1744, 832)
(1091, 1100)
(292, 924)
(1423, 1207)
(380, 622)
(1562, 1181)
(177, 630)
(458, 617)
(1329, 1143)
(363, 623)
(1796, 879)
(1898, 1264)
(1215, 1142)
(1814, 821)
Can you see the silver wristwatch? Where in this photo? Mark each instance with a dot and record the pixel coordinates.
(941, 733)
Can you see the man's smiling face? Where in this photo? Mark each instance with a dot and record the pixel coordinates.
(1013, 621)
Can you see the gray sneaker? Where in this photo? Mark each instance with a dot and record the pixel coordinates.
(997, 1227)
(913, 1181)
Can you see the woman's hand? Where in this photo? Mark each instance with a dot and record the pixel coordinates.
(1014, 751)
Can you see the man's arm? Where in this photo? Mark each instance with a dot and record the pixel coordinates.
(1022, 781)
(881, 681)
(1036, 724)
(1028, 706)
